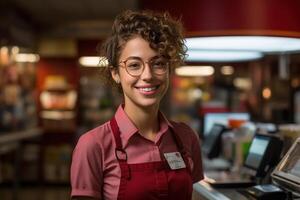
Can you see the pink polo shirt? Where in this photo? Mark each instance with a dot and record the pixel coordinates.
(95, 171)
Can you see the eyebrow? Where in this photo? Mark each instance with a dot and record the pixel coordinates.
(137, 57)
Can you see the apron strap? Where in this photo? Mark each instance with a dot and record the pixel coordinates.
(116, 132)
(120, 153)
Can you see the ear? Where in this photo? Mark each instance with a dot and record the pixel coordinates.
(115, 75)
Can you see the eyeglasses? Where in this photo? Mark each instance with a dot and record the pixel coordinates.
(135, 65)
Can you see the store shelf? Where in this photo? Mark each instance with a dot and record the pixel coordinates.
(9, 137)
(13, 155)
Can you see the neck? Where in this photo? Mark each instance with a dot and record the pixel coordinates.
(145, 119)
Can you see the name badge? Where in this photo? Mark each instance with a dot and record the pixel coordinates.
(175, 160)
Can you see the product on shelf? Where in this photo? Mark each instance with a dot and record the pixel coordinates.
(58, 101)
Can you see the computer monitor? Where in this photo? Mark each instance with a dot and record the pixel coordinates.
(221, 118)
(256, 151)
(287, 172)
(263, 154)
(212, 144)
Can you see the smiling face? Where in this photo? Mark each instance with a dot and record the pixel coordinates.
(146, 90)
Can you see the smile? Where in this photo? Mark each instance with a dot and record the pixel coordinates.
(148, 90)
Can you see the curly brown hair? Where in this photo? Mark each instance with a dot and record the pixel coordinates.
(163, 33)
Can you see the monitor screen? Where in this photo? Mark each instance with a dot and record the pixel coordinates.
(295, 170)
(221, 118)
(256, 151)
(292, 166)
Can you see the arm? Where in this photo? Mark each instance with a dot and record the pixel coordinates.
(193, 145)
(87, 169)
(197, 159)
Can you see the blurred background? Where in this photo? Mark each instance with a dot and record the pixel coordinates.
(51, 93)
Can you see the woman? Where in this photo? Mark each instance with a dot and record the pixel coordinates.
(139, 154)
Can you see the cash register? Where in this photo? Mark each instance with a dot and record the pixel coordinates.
(285, 179)
(287, 172)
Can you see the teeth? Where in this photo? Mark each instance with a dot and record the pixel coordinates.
(148, 89)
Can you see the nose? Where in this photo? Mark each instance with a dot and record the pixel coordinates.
(147, 73)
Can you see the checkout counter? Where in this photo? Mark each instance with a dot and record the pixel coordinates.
(204, 191)
(274, 178)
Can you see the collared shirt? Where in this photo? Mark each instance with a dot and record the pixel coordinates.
(95, 171)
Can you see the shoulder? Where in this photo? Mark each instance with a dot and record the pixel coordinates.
(182, 128)
(187, 135)
(95, 138)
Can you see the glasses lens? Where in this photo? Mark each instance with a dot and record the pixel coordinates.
(159, 65)
(134, 66)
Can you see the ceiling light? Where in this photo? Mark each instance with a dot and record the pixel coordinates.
(263, 44)
(15, 50)
(93, 61)
(227, 70)
(242, 83)
(194, 71)
(27, 57)
(266, 93)
(197, 55)
(4, 55)
(4, 49)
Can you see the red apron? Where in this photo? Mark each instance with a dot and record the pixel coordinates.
(152, 180)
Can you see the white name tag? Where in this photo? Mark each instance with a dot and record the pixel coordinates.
(175, 160)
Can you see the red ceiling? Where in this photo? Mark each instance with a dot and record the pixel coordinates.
(230, 17)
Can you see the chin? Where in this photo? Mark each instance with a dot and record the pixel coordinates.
(147, 102)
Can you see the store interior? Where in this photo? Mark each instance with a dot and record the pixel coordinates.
(49, 95)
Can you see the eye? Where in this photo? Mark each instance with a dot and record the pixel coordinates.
(134, 64)
(159, 63)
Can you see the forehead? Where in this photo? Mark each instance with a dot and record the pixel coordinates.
(137, 47)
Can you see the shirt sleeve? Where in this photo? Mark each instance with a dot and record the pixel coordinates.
(197, 172)
(193, 146)
(87, 168)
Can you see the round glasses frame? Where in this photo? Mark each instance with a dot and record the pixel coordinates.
(161, 62)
